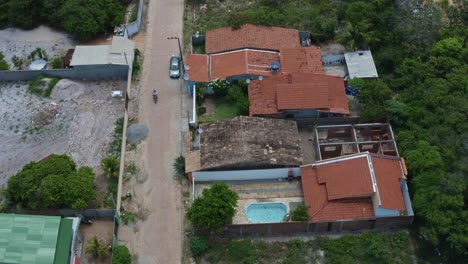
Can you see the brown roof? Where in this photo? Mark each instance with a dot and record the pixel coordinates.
(198, 67)
(251, 36)
(343, 188)
(250, 143)
(298, 91)
(304, 60)
(224, 65)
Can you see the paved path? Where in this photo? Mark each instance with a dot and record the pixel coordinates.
(158, 238)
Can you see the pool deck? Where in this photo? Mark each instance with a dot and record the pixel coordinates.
(288, 193)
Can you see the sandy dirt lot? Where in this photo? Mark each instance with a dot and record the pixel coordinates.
(81, 124)
(20, 43)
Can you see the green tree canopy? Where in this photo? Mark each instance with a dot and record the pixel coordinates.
(52, 183)
(215, 208)
(121, 255)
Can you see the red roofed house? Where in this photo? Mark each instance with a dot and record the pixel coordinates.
(251, 37)
(298, 95)
(356, 187)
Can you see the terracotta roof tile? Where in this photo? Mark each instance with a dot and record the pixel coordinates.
(224, 65)
(343, 182)
(198, 67)
(341, 188)
(298, 91)
(304, 60)
(388, 172)
(251, 36)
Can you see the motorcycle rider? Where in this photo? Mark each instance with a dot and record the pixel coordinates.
(155, 94)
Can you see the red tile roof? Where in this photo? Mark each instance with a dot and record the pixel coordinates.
(388, 172)
(251, 36)
(305, 60)
(298, 91)
(342, 188)
(198, 67)
(241, 62)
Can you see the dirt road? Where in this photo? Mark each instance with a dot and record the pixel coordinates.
(158, 238)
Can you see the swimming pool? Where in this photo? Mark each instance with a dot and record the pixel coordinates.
(266, 212)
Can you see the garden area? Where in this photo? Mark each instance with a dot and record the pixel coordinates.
(223, 100)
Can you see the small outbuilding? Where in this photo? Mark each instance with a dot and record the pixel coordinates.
(360, 64)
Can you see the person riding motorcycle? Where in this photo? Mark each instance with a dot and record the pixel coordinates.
(155, 93)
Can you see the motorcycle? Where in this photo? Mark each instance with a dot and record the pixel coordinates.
(155, 98)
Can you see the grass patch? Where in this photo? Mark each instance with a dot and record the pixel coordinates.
(363, 248)
(136, 68)
(42, 85)
(111, 195)
(223, 110)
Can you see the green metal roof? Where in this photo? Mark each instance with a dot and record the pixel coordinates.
(28, 239)
(62, 253)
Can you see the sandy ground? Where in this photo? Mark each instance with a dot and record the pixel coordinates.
(22, 42)
(157, 236)
(83, 125)
(103, 231)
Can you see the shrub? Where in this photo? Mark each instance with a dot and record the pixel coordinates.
(179, 165)
(200, 89)
(300, 214)
(110, 166)
(57, 63)
(3, 64)
(198, 246)
(237, 96)
(136, 68)
(121, 255)
(42, 85)
(16, 61)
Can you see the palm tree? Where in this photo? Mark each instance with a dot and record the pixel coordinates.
(110, 166)
(179, 165)
(97, 248)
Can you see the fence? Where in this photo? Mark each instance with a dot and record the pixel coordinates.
(134, 27)
(294, 228)
(100, 214)
(84, 72)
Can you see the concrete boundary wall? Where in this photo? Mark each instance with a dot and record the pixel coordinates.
(318, 228)
(239, 175)
(85, 72)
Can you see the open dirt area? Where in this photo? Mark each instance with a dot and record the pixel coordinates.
(78, 119)
(20, 43)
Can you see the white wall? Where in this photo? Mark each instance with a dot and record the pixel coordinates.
(244, 174)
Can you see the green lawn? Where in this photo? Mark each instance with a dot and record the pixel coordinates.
(223, 110)
(363, 248)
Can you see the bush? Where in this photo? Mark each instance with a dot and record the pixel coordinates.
(200, 89)
(110, 166)
(97, 248)
(121, 255)
(16, 61)
(300, 214)
(136, 68)
(237, 96)
(179, 165)
(42, 85)
(198, 246)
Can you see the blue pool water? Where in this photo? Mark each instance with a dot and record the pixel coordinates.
(266, 212)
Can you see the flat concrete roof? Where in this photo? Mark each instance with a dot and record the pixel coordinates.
(90, 55)
(360, 64)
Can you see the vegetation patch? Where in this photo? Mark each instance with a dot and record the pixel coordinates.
(42, 85)
(136, 68)
(121, 255)
(363, 248)
(4, 66)
(116, 144)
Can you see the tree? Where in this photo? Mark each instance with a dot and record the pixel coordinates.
(111, 166)
(97, 248)
(237, 95)
(121, 255)
(52, 183)
(198, 246)
(215, 208)
(220, 87)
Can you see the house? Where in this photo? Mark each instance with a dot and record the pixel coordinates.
(37, 239)
(360, 64)
(252, 63)
(251, 37)
(357, 187)
(245, 148)
(298, 95)
(120, 52)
